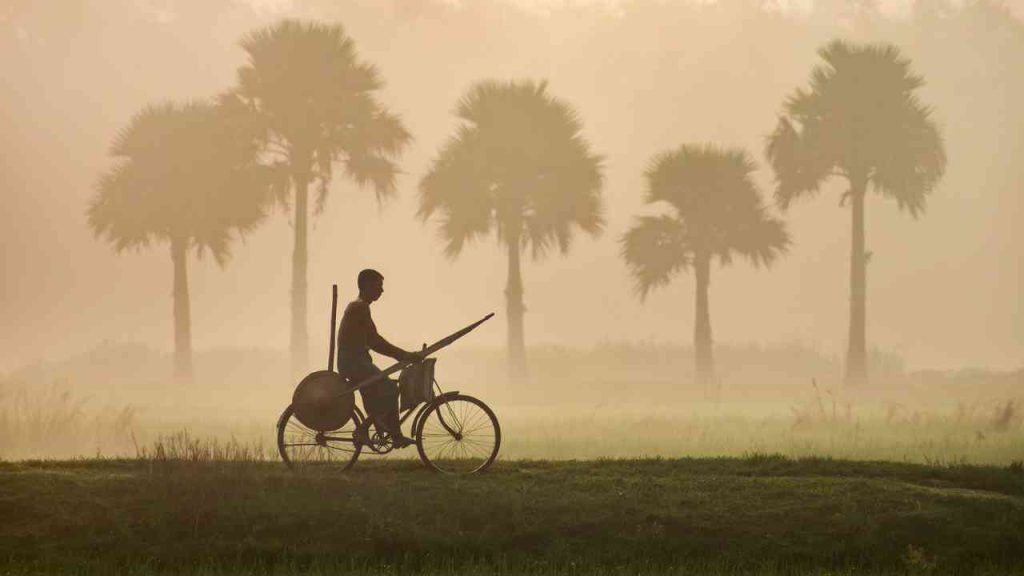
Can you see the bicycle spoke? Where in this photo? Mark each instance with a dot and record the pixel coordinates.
(472, 451)
(481, 443)
(483, 426)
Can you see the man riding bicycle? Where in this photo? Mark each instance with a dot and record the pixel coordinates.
(356, 337)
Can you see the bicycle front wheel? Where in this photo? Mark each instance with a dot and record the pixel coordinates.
(458, 435)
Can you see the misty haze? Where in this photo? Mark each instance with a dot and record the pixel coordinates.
(718, 237)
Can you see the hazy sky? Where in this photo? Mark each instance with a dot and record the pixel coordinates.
(943, 290)
(279, 6)
(892, 7)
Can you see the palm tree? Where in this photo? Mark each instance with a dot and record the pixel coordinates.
(860, 121)
(186, 175)
(519, 166)
(717, 213)
(318, 103)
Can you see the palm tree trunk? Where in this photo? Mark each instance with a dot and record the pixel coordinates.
(515, 311)
(300, 257)
(856, 356)
(703, 358)
(182, 312)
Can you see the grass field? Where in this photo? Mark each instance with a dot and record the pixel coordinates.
(760, 514)
(612, 462)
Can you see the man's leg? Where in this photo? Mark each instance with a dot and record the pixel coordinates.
(380, 399)
(389, 407)
(381, 402)
(374, 406)
(358, 369)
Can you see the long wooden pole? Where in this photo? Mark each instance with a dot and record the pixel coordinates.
(334, 319)
(423, 354)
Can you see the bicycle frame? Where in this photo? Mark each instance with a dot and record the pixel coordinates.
(427, 405)
(419, 410)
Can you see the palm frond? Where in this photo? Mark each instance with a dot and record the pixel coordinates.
(654, 249)
(762, 240)
(912, 166)
(457, 188)
(373, 170)
(116, 216)
(798, 165)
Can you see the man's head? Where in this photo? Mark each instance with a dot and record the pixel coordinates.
(371, 285)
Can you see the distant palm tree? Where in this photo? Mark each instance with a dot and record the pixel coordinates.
(186, 175)
(520, 167)
(717, 213)
(861, 120)
(318, 103)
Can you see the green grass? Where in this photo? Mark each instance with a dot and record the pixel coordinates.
(759, 514)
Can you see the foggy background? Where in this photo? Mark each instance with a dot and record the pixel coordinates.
(645, 76)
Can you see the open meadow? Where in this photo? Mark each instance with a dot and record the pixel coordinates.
(598, 474)
(617, 401)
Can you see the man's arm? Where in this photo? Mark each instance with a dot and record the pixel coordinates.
(379, 345)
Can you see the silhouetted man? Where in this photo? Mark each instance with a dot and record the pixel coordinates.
(356, 337)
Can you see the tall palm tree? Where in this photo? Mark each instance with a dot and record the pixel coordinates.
(860, 121)
(186, 175)
(716, 214)
(518, 165)
(318, 103)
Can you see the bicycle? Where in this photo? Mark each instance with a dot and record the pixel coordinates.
(454, 433)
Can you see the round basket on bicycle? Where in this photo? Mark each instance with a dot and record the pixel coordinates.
(323, 401)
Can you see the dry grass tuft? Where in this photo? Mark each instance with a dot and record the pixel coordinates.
(816, 410)
(183, 447)
(52, 422)
(1005, 416)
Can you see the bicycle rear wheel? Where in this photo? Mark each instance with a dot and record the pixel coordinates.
(458, 434)
(303, 447)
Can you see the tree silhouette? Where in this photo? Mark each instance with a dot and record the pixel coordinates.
(318, 103)
(186, 175)
(861, 121)
(519, 166)
(717, 213)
